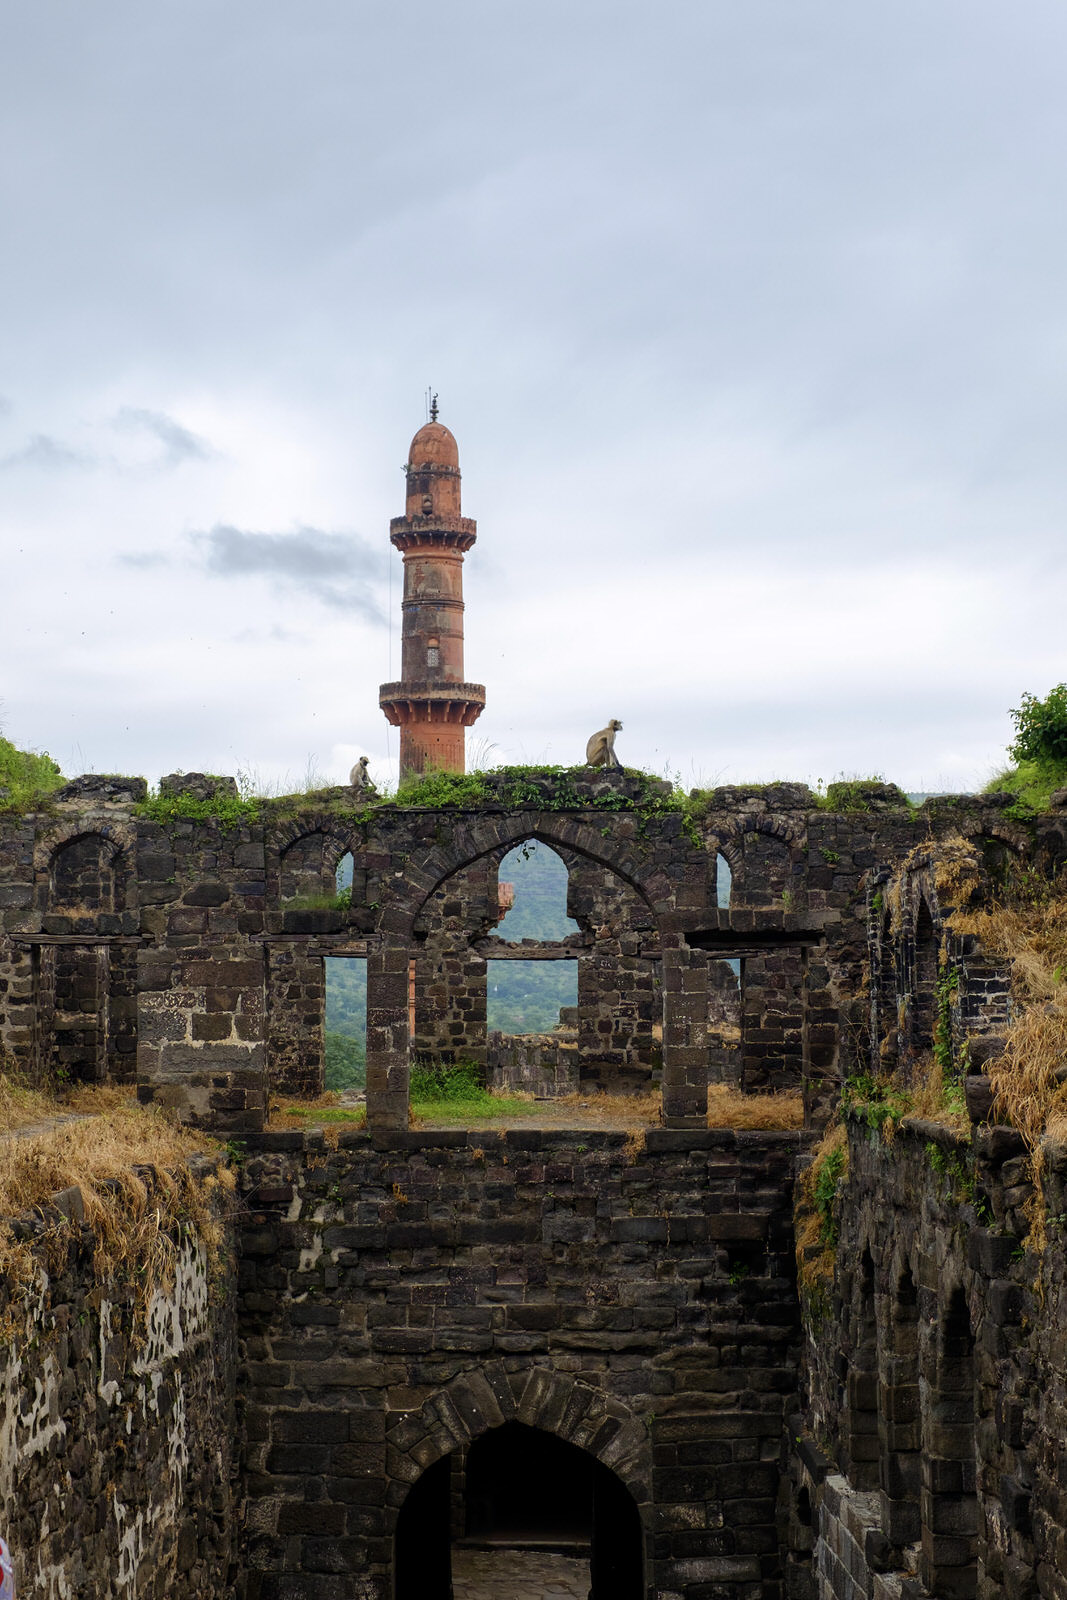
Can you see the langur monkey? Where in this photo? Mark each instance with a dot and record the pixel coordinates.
(600, 751)
(360, 779)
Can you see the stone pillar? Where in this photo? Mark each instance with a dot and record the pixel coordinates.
(387, 1040)
(296, 1020)
(685, 1029)
(200, 1037)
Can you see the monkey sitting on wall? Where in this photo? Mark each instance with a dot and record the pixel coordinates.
(600, 751)
(360, 779)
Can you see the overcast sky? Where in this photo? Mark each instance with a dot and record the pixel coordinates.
(748, 315)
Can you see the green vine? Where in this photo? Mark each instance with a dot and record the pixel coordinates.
(955, 1169)
(824, 1192)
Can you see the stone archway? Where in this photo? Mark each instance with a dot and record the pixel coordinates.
(685, 1065)
(471, 840)
(469, 1411)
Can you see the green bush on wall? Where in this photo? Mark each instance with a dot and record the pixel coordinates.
(1041, 728)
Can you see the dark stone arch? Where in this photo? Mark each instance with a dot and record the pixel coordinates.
(486, 1398)
(472, 1407)
(308, 853)
(900, 1422)
(924, 970)
(86, 873)
(762, 855)
(774, 827)
(488, 836)
(474, 840)
(949, 1499)
(862, 1385)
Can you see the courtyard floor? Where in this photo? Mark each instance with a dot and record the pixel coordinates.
(518, 1575)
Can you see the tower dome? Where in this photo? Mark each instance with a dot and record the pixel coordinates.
(433, 446)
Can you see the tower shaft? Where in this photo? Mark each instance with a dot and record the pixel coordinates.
(432, 703)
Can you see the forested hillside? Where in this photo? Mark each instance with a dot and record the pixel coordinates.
(346, 1022)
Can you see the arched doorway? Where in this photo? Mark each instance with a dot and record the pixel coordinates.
(515, 1506)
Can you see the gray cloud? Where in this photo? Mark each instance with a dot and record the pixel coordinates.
(143, 559)
(50, 454)
(337, 569)
(179, 444)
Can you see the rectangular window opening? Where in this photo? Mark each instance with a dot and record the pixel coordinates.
(724, 1021)
(346, 1022)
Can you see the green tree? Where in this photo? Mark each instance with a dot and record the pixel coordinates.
(1041, 728)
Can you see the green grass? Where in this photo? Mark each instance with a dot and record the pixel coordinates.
(438, 1094)
(456, 1094)
(27, 777)
(1032, 781)
(226, 808)
(354, 1116)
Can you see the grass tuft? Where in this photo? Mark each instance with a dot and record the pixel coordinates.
(132, 1166)
(729, 1108)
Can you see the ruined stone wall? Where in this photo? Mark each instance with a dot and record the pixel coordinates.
(620, 1004)
(395, 1305)
(221, 928)
(450, 977)
(541, 1064)
(932, 1459)
(117, 1445)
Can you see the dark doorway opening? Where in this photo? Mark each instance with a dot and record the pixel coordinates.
(525, 1487)
(521, 1492)
(423, 1561)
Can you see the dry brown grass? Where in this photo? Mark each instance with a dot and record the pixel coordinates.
(21, 1107)
(131, 1165)
(617, 1110)
(729, 1108)
(1029, 1087)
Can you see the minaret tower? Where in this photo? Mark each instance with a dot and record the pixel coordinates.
(432, 704)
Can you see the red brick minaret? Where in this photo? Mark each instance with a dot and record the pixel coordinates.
(432, 704)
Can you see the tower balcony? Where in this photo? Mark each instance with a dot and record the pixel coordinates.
(412, 702)
(443, 533)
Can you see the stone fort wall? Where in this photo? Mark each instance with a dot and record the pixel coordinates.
(118, 1455)
(399, 1292)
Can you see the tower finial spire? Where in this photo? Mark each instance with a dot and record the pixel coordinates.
(433, 408)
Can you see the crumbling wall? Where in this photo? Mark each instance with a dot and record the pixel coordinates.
(396, 1304)
(117, 1443)
(198, 943)
(930, 1456)
(541, 1064)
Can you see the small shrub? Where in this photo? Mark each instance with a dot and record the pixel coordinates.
(430, 1081)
